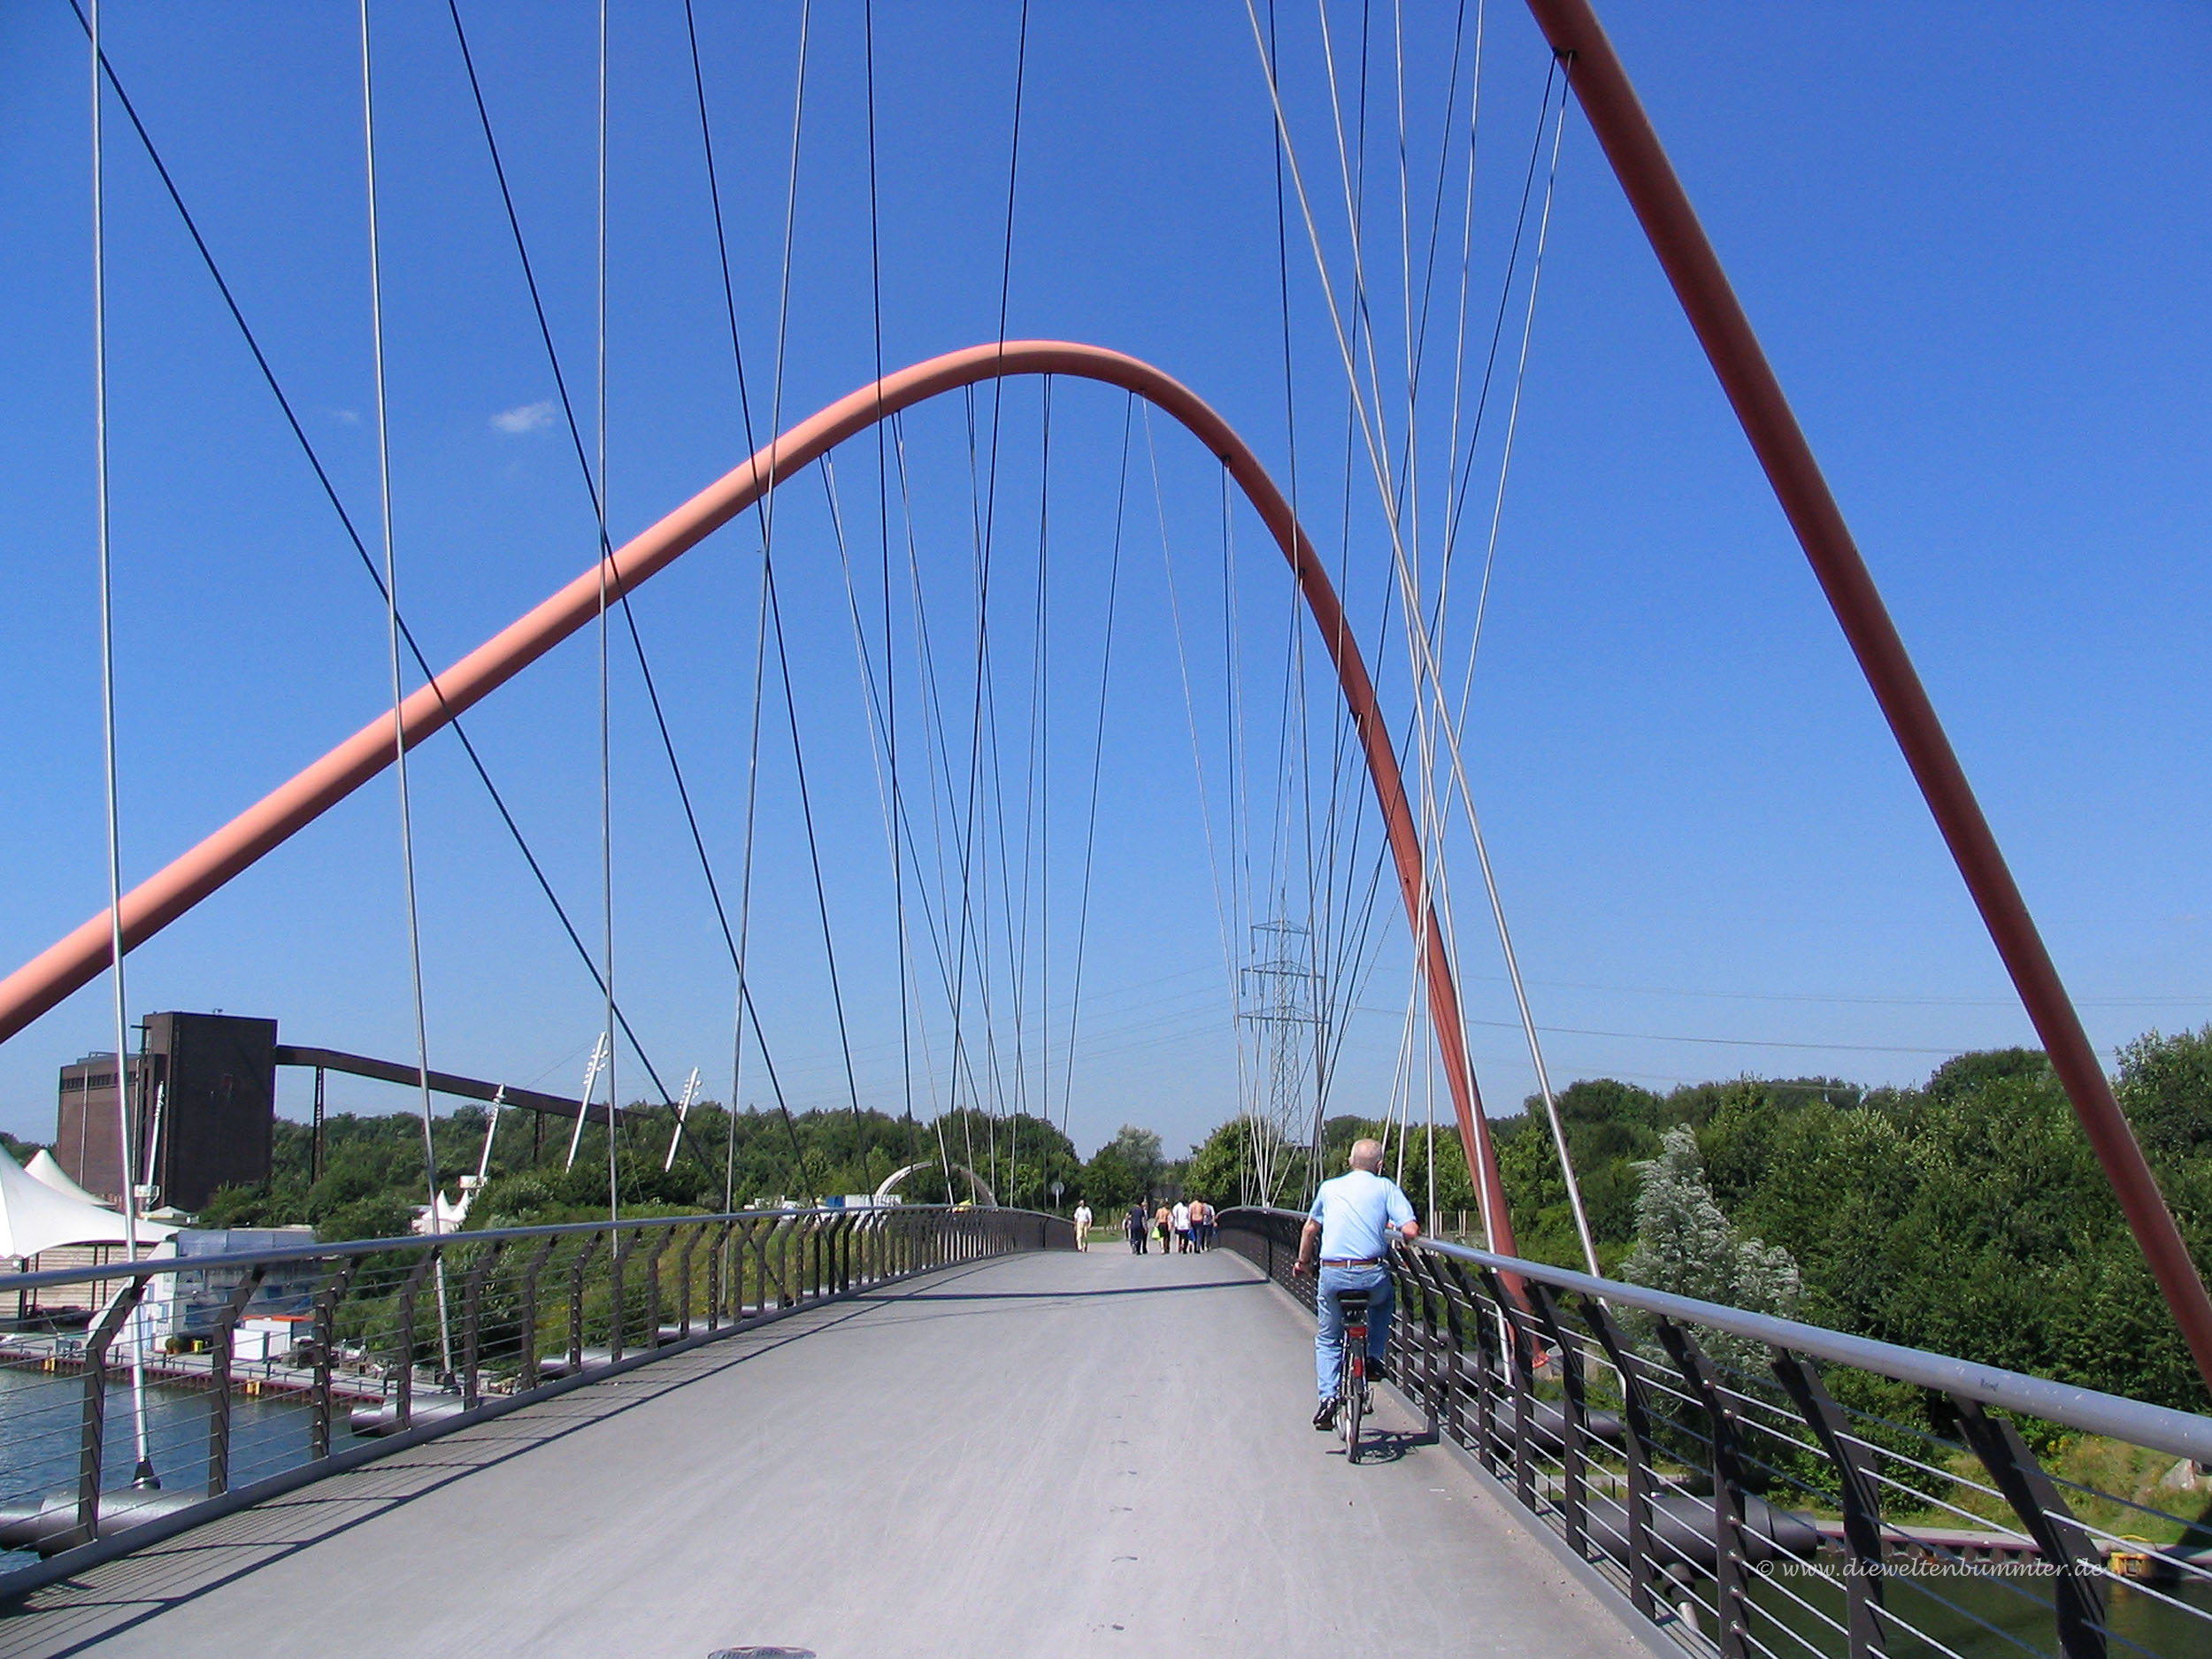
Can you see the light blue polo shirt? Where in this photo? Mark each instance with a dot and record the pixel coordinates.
(1353, 1210)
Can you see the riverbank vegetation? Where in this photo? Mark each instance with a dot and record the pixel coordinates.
(1966, 1215)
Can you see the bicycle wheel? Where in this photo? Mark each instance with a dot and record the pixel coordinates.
(1353, 1407)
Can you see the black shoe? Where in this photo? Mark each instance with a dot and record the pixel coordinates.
(1324, 1419)
(1376, 1371)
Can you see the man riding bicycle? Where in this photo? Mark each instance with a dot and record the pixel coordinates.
(1350, 1223)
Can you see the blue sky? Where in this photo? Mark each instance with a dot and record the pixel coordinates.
(1973, 244)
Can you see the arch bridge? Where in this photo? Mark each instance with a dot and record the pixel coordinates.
(694, 1433)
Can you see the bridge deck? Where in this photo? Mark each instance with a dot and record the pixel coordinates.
(1045, 1453)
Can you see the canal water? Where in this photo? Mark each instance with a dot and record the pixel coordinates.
(41, 1417)
(1973, 1615)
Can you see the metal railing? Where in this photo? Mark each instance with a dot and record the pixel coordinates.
(1765, 1489)
(168, 1391)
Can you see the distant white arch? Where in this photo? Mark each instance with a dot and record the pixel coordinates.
(976, 1183)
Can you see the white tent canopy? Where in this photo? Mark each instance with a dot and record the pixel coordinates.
(34, 1216)
(46, 1169)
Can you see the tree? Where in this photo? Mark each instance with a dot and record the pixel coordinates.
(1684, 1245)
(1220, 1170)
(1139, 1148)
(2166, 1087)
(1108, 1181)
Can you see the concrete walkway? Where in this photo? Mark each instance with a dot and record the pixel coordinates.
(1045, 1454)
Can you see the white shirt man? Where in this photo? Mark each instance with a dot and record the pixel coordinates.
(1082, 1226)
(1350, 1223)
(1182, 1225)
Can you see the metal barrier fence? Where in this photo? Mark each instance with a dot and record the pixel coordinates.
(1764, 1489)
(180, 1388)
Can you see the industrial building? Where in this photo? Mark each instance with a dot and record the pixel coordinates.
(202, 1096)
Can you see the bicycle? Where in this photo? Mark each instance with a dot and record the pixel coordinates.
(1352, 1396)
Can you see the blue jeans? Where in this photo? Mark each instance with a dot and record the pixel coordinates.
(1328, 1341)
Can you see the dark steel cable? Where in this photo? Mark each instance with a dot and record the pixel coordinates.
(745, 410)
(1098, 755)
(353, 534)
(883, 516)
(596, 495)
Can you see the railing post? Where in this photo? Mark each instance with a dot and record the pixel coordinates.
(1485, 1373)
(2067, 1547)
(1731, 1591)
(666, 1236)
(692, 1236)
(576, 1299)
(1413, 1276)
(617, 1267)
(327, 1301)
(718, 1273)
(1524, 1386)
(1574, 1420)
(1636, 1414)
(1861, 1499)
(403, 1400)
(219, 1382)
(738, 1247)
(528, 1376)
(472, 1323)
(1454, 1406)
(767, 1250)
(95, 1404)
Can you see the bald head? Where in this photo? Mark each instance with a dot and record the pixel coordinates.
(1367, 1155)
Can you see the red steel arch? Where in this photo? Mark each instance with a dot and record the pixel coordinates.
(76, 960)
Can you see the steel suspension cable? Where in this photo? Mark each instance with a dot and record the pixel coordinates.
(576, 443)
(883, 519)
(1452, 727)
(1098, 756)
(1324, 944)
(345, 519)
(1224, 900)
(814, 850)
(990, 513)
(1419, 642)
(938, 769)
(126, 1139)
(391, 613)
(606, 730)
(743, 1011)
(1036, 822)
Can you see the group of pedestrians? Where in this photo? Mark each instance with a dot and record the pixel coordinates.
(1183, 1228)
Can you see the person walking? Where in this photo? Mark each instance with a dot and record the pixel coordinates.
(1082, 1224)
(1202, 1225)
(1180, 1219)
(1163, 1223)
(1133, 1223)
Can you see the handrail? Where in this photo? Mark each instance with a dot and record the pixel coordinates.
(1697, 1457)
(2160, 1428)
(311, 1252)
(385, 1343)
